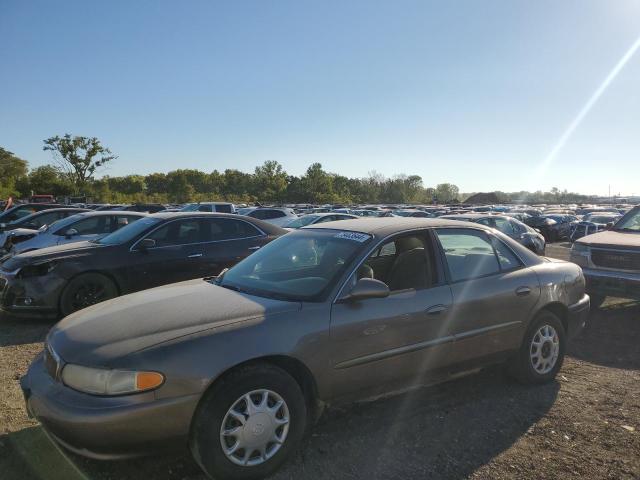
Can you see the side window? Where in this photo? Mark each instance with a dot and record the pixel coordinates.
(182, 232)
(269, 214)
(468, 252)
(406, 262)
(503, 225)
(506, 258)
(205, 208)
(228, 229)
(91, 225)
(120, 221)
(259, 214)
(45, 219)
(326, 218)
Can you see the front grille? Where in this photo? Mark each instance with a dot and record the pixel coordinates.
(616, 260)
(51, 361)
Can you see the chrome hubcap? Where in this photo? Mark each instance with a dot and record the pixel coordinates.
(545, 348)
(254, 428)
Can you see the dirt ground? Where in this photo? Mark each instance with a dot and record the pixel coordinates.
(585, 425)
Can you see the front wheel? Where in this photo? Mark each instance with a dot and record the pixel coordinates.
(86, 290)
(249, 423)
(542, 352)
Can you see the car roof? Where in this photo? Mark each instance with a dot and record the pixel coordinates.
(104, 213)
(477, 216)
(383, 226)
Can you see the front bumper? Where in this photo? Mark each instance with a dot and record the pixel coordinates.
(29, 297)
(612, 283)
(107, 427)
(578, 314)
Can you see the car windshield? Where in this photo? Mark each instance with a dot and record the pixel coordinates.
(302, 221)
(301, 266)
(630, 222)
(129, 232)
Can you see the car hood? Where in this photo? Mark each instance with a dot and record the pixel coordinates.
(613, 239)
(110, 330)
(77, 249)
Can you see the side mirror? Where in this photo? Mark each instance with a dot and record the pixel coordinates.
(609, 225)
(367, 288)
(146, 243)
(71, 232)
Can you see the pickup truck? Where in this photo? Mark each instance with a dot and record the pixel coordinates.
(610, 260)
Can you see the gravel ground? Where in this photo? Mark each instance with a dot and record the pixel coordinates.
(585, 425)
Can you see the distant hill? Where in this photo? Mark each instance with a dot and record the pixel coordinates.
(489, 198)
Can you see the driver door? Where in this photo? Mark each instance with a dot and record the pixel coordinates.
(398, 338)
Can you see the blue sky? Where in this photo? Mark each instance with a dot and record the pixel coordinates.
(476, 93)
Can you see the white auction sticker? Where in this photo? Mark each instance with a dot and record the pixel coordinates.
(355, 236)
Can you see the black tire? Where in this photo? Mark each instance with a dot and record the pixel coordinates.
(205, 442)
(522, 365)
(85, 290)
(597, 300)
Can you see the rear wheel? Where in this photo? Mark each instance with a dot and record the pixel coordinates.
(86, 290)
(542, 352)
(249, 423)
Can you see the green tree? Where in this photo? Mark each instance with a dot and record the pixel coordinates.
(270, 181)
(46, 179)
(447, 193)
(12, 170)
(79, 158)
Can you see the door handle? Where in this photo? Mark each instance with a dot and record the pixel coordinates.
(195, 255)
(436, 309)
(254, 248)
(523, 291)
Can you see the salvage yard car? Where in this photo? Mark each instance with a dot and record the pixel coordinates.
(80, 227)
(511, 227)
(237, 367)
(611, 259)
(158, 249)
(27, 227)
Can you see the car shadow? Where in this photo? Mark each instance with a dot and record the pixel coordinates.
(28, 454)
(438, 432)
(18, 331)
(612, 336)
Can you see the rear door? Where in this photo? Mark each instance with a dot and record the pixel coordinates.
(229, 240)
(493, 292)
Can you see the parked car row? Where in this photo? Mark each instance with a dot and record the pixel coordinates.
(236, 363)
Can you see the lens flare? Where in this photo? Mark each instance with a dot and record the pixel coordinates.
(546, 163)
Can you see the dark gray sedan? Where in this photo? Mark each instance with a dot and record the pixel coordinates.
(237, 367)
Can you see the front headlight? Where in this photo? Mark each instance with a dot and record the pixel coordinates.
(580, 254)
(98, 381)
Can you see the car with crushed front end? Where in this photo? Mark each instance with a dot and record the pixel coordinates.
(27, 227)
(237, 367)
(158, 249)
(611, 259)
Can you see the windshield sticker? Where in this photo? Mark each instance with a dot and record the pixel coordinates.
(355, 236)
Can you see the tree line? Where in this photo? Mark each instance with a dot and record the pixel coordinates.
(77, 160)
